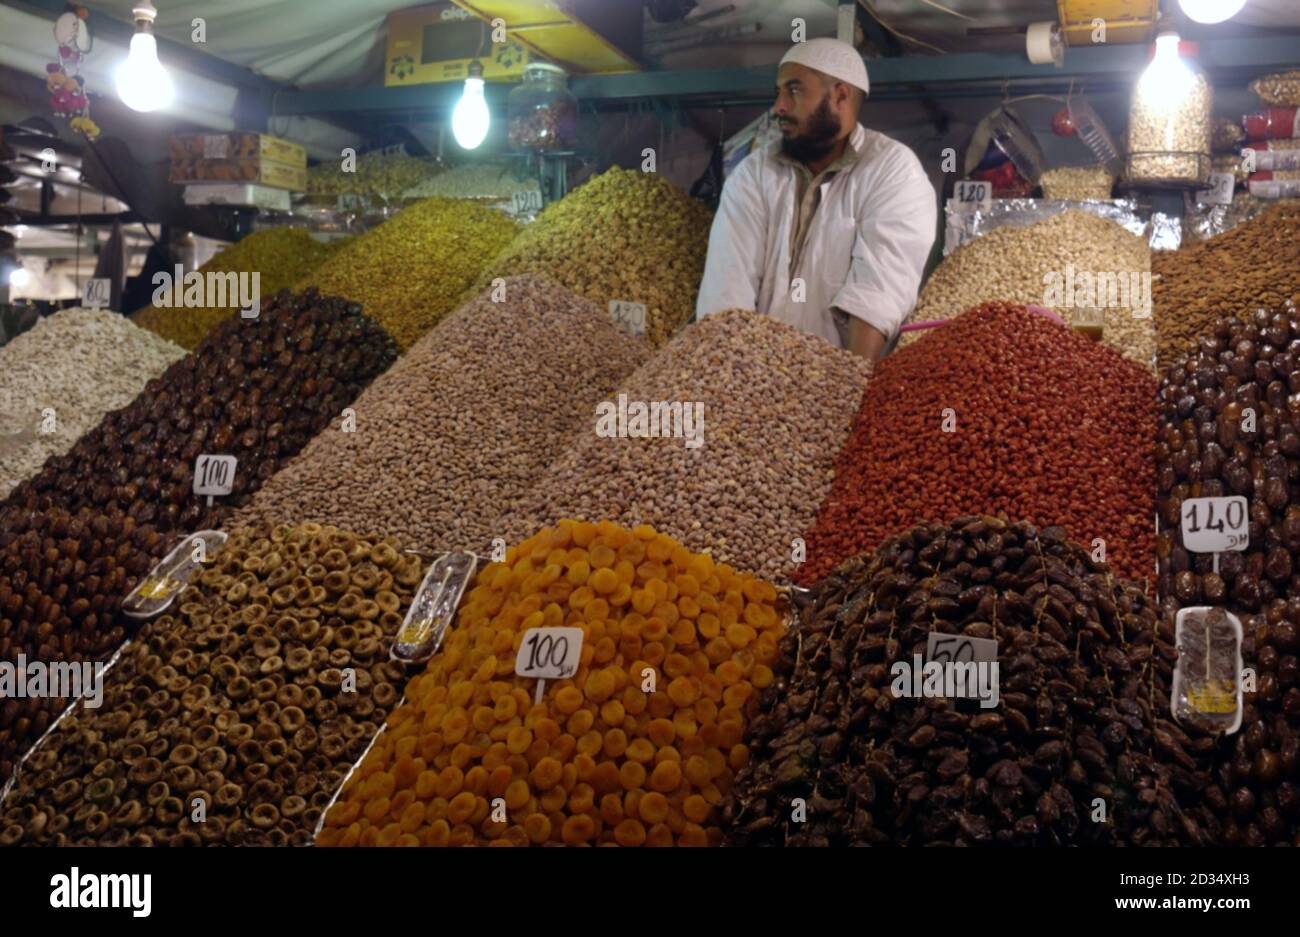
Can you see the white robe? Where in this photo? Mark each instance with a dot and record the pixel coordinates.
(865, 251)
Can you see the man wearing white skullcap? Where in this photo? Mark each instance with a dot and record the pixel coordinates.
(829, 229)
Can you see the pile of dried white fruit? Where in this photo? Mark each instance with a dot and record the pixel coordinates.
(59, 379)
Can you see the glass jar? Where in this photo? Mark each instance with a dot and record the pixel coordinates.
(543, 115)
(1169, 122)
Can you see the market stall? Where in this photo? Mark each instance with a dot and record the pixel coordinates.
(490, 423)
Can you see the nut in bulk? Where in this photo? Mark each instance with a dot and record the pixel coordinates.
(777, 405)
(257, 766)
(1019, 265)
(409, 272)
(281, 257)
(1085, 664)
(1170, 143)
(623, 235)
(599, 760)
(1280, 90)
(58, 379)
(1256, 265)
(463, 425)
(1077, 183)
(1046, 425)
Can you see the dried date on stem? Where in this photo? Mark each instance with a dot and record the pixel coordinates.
(1082, 726)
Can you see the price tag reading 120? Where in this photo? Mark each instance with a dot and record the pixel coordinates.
(1212, 525)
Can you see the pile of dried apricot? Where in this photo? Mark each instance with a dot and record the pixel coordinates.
(636, 749)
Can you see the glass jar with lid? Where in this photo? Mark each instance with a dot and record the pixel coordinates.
(542, 113)
(1169, 122)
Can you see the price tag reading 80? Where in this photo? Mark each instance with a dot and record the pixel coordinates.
(1212, 525)
(549, 653)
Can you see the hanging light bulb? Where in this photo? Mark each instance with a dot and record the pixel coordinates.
(142, 83)
(1211, 11)
(19, 277)
(470, 119)
(1168, 80)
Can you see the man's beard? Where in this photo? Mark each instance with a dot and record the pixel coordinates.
(818, 139)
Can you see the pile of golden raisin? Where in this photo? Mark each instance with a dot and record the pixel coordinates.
(636, 749)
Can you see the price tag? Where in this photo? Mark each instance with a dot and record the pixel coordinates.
(351, 201)
(959, 649)
(96, 293)
(1220, 191)
(628, 315)
(549, 653)
(973, 196)
(1212, 525)
(214, 474)
(527, 201)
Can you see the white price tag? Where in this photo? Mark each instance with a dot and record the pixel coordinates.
(959, 649)
(1220, 190)
(629, 315)
(549, 653)
(973, 196)
(97, 293)
(351, 201)
(1212, 525)
(214, 474)
(527, 201)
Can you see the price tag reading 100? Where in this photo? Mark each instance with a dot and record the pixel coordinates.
(549, 654)
(1212, 525)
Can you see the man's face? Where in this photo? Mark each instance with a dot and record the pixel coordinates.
(809, 123)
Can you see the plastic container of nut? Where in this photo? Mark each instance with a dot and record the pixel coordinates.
(542, 114)
(1169, 122)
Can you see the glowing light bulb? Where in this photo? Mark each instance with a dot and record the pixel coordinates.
(471, 118)
(1167, 81)
(19, 278)
(142, 82)
(1211, 11)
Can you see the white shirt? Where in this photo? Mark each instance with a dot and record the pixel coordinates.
(865, 251)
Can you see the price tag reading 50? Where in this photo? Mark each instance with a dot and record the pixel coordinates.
(1212, 525)
(549, 653)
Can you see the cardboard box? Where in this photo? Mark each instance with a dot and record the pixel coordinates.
(266, 172)
(238, 145)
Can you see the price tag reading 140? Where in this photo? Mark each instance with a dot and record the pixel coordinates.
(1212, 525)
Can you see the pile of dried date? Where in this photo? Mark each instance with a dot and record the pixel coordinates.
(1256, 781)
(1082, 723)
(1228, 426)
